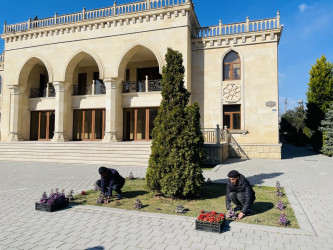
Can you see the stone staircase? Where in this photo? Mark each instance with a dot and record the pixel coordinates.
(117, 153)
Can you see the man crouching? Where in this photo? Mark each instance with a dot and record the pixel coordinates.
(110, 180)
(240, 192)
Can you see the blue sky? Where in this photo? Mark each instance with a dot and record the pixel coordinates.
(307, 32)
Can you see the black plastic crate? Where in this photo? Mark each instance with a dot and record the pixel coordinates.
(52, 207)
(215, 227)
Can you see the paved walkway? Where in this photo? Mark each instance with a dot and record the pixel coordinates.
(306, 175)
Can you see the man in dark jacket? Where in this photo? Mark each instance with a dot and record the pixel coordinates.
(110, 180)
(240, 192)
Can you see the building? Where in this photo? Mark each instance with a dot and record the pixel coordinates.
(95, 75)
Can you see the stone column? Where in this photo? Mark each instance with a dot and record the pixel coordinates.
(59, 135)
(14, 119)
(111, 109)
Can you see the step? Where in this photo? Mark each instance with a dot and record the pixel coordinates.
(122, 153)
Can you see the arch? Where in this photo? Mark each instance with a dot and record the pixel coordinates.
(76, 58)
(27, 66)
(224, 56)
(126, 57)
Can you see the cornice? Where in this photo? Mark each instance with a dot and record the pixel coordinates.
(105, 22)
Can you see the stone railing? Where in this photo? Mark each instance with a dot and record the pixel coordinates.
(235, 28)
(91, 14)
(142, 86)
(215, 135)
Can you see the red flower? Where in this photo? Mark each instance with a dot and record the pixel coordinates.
(210, 216)
(83, 192)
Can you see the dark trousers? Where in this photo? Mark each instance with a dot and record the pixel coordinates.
(116, 187)
(238, 199)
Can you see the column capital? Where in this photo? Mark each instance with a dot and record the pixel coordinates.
(60, 86)
(111, 83)
(16, 89)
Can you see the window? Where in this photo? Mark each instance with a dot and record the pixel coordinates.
(231, 66)
(0, 84)
(231, 116)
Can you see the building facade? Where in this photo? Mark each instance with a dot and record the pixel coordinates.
(95, 75)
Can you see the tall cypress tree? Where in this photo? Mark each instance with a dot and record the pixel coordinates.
(177, 149)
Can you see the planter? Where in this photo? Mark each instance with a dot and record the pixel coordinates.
(215, 227)
(52, 207)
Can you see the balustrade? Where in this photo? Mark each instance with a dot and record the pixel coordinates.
(235, 28)
(214, 135)
(142, 86)
(92, 14)
(42, 92)
(96, 88)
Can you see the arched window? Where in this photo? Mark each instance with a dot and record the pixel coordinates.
(0, 84)
(231, 66)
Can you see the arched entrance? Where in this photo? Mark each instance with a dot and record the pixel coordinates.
(85, 85)
(141, 79)
(35, 80)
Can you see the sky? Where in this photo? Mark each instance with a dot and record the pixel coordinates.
(307, 32)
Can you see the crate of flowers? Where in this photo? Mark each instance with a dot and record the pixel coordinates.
(210, 221)
(54, 202)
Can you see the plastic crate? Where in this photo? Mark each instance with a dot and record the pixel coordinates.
(52, 207)
(215, 227)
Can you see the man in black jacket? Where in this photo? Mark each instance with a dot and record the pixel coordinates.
(240, 192)
(110, 180)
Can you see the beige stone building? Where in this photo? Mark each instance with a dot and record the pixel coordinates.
(95, 75)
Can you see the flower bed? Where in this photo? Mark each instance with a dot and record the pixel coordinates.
(210, 221)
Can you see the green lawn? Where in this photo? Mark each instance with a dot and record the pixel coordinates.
(212, 198)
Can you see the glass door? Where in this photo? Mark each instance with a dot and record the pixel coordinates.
(139, 123)
(42, 125)
(88, 125)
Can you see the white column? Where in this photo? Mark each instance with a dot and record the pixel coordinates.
(59, 135)
(14, 121)
(111, 110)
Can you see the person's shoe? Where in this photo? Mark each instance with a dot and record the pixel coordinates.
(118, 196)
(248, 212)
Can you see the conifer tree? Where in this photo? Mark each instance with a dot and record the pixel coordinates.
(177, 149)
(319, 97)
(327, 129)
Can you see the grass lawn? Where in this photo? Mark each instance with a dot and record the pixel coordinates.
(212, 198)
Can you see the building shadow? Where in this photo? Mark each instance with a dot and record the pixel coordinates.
(95, 248)
(289, 151)
(257, 179)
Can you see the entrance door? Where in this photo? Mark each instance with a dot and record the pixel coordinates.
(88, 125)
(139, 123)
(42, 125)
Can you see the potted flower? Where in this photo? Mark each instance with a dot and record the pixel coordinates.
(210, 221)
(53, 202)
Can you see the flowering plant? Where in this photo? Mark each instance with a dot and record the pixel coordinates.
(54, 197)
(211, 216)
(83, 192)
